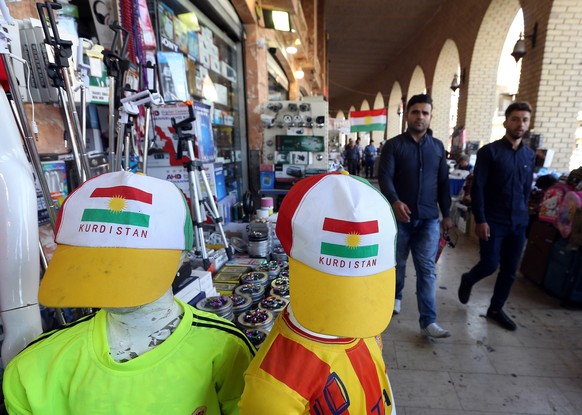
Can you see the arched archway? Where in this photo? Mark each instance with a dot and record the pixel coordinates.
(394, 113)
(417, 83)
(352, 135)
(482, 94)
(448, 65)
(378, 136)
(340, 119)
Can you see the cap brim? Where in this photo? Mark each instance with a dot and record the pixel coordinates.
(341, 306)
(107, 277)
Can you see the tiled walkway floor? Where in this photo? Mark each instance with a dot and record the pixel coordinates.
(482, 368)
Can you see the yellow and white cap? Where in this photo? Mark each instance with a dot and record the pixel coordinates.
(119, 238)
(340, 234)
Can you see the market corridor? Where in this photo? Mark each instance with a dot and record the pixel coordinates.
(482, 368)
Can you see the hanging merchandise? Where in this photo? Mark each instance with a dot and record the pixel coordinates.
(62, 78)
(570, 204)
(550, 205)
(198, 60)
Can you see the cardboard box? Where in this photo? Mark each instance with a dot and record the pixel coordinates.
(202, 129)
(267, 179)
(289, 171)
(300, 157)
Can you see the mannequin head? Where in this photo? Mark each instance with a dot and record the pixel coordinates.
(120, 239)
(341, 255)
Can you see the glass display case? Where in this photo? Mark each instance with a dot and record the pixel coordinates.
(214, 76)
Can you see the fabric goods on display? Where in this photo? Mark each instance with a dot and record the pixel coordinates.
(202, 352)
(351, 369)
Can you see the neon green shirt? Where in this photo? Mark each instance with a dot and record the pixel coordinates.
(70, 371)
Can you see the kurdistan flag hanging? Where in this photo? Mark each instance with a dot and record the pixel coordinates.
(370, 120)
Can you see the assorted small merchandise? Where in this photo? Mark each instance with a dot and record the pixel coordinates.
(256, 319)
(274, 304)
(220, 305)
(240, 303)
(280, 287)
(256, 292)
(252, 295)
(256, 336)
(255, 277)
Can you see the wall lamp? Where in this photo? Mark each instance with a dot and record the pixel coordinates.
(399, 109)
(455, 84)
(519, 48)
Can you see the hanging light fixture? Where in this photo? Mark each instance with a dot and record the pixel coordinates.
(277, 19)
(292, 48)
(519, 50)
(299, 74)
(455, 84)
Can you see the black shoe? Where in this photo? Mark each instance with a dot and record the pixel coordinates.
(464, 289)
(503, 319)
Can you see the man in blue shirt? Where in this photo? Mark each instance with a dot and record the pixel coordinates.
(500, 190)
(414, 177)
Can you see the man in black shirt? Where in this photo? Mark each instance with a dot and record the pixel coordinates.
(414, 177)
(500, 189)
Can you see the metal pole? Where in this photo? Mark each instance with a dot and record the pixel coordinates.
(119, 146)
(29, 141)
(112, 124)
(83, 115)
(82, 152)
(67, 116)
(126, 140)
(146, 140)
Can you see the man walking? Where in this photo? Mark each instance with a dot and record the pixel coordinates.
(500, 189)
(369, 159)
(414, 177)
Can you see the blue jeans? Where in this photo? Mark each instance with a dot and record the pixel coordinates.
(420, 236)
(504, 248)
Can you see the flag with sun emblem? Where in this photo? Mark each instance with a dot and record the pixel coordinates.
(121, 204)
(349, 239)
(370, 120)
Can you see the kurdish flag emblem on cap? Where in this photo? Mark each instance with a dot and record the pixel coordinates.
(119, 239)
(340, 234)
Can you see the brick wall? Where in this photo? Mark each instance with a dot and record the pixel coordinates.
(447, 65)
(554, 85)
(393, 118)
(482, 95)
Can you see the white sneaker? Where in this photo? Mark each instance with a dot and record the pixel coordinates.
(435, 331)
(397, 306)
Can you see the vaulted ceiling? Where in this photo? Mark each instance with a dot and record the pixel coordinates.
(366, 36)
